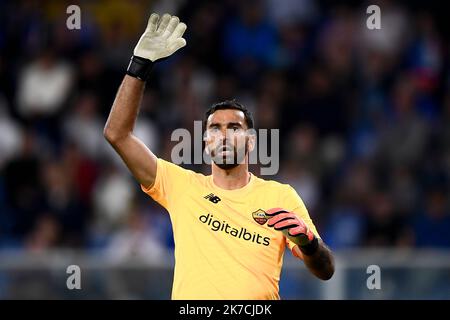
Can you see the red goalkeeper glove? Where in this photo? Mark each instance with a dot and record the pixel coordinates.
(294, 228)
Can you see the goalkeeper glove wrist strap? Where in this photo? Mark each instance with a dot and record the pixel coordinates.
(310, 248)
(140, 68)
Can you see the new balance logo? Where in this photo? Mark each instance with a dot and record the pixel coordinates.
(213, 198)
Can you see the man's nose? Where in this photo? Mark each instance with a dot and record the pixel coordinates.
(222, 135)
(223, 140)
(225, 135)
(228, 134)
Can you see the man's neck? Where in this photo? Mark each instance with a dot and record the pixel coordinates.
(235, 178)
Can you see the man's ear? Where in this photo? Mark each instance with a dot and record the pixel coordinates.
(206, 140)
(207, 150)
(251, 142)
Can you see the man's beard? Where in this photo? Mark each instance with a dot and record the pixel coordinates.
(230, 161)
(226, 166)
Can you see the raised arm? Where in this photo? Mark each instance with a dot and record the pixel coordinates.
(161, 38)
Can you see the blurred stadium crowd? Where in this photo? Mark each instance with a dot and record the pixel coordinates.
(364, 117)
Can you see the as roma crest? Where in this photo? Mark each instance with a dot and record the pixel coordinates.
(260, 216)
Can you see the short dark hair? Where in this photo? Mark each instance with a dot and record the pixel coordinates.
(234, 105)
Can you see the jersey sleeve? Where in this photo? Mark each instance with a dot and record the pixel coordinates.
(170, 180)
(294, 203)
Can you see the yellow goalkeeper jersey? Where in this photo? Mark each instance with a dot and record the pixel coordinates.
(223, 246)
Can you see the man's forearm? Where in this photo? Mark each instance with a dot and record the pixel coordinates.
(321, 262)
(125, 109)
(315, 253)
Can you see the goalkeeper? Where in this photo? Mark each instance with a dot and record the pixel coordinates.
(230, 228)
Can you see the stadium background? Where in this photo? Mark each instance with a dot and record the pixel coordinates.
(365, 138)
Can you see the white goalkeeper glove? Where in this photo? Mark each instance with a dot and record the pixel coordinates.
(161, 38)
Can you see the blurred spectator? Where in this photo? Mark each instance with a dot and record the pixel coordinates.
(23, 187)
(268, 116)
(135, 240)
(43, 88)
(10, 134)
(425, 56)
(191, 86)
(385, 226)
(336, 43)
(44, 85)
(346, 223)
(63, 201)
(270, 100)
(394, 34)
(431, 228)
(118, 32)
(284, 12)
(250, 42)
(404, 193)
(319, 97)
(302, 148)
(95, 78)
(113, 194)
(204, 19)
(444, 128)
(304, 182)
(83, 126)
(45, 234)
(405, 134)
(226, 87)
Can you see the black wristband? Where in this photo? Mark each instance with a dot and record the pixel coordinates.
(140, 68)
(310, 248)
